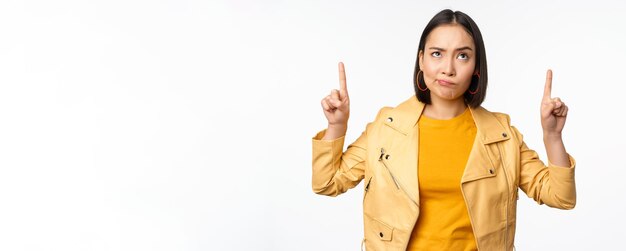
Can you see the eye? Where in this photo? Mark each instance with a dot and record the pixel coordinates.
(436, 54)
(463, 56)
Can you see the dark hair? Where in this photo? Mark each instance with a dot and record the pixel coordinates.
(456, 17)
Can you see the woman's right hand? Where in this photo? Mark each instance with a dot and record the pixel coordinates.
(336, 106)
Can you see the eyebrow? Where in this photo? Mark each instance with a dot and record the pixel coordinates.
(458, 49)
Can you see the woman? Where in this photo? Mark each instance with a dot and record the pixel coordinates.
(441, 172)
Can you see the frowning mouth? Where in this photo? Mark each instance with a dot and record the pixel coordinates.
(444, 83)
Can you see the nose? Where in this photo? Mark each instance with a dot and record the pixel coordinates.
(448, 68)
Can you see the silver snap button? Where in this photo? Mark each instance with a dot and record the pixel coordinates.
(390, 119)
(387, 156)
(504, 134)
(491, 171)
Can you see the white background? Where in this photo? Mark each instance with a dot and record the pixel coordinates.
(187, 125)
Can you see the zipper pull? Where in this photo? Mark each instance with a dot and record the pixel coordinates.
(382, 153)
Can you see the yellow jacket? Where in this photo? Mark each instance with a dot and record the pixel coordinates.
(385, 155)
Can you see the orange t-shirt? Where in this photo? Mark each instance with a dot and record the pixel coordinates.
(444, 147)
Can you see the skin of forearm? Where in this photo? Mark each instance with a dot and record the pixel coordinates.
(335, 131)
(555, 149)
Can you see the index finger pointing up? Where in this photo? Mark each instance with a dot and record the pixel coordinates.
(342, 78)
(547, 90)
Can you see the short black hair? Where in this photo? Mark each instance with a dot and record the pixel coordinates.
(448, 16)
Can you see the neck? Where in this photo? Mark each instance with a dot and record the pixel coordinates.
(444, 109)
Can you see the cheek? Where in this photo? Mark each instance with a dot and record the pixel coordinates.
(429, 70)
(465, 71)
(466, 75)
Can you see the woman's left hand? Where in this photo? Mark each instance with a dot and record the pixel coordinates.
(553, 110)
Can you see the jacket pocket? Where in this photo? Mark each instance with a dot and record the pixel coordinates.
(379, 230)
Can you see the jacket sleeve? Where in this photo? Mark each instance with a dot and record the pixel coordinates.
(551, 185)
(335, 171)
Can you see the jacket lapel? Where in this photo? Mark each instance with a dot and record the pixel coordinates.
(483, 160)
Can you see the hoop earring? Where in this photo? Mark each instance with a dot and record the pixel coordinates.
(477, 75)
(418, 82)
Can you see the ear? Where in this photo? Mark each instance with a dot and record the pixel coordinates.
(420, 56)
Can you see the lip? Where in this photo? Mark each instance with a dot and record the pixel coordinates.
(444, 82)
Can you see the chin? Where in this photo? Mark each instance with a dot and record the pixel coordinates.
(449, 96)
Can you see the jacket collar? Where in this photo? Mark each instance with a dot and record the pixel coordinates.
(404, 119)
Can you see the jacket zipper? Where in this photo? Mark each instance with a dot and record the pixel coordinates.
(367, 187)
(382, 153)
(382, 159)
(506, 178)
(470, 217)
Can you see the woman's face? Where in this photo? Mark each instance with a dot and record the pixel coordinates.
(448, 62)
